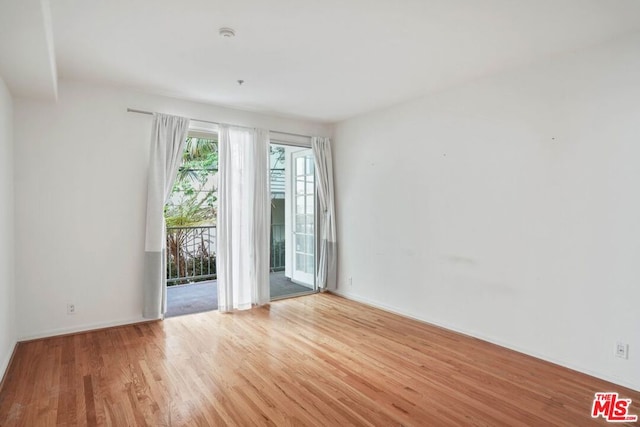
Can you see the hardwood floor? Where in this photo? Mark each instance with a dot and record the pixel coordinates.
(316, 360)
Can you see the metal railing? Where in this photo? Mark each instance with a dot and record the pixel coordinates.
(277, 247)
(191, 253)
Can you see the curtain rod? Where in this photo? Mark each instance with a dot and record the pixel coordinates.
(150, 113)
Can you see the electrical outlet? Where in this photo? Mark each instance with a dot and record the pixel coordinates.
(71, 308)
(622, 350)
(350, 281)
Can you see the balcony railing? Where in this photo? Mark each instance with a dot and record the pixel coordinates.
(277, 247)
(191, 253)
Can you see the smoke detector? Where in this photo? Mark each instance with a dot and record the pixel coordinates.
(226, 32)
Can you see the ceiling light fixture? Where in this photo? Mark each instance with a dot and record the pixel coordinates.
(226, 32)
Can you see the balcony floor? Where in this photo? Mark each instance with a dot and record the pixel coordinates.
(203, 296)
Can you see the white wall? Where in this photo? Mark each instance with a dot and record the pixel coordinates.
(507, 209)
(81, 167)
(7, 283)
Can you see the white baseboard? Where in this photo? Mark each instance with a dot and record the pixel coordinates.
(82, 328)
(492, 340)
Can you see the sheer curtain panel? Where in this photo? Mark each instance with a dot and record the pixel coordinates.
(168, 137)
(327, 263)
(244, 215)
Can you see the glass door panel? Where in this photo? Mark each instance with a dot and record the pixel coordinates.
(304, 217)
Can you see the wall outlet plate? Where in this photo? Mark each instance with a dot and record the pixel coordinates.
(71, 308)
(622, 350)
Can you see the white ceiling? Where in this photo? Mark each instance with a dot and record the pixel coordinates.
(321, 59)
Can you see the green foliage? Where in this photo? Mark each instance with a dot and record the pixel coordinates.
(199, 160)
(276, 155)
(192, 203)
(193, 196)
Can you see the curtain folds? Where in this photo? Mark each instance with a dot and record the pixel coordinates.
(261, 224)
(326, 276)
(244, 216)
(168, 137)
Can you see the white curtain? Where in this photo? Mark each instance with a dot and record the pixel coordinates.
(244, 217)
(168, 137)
(327, 262)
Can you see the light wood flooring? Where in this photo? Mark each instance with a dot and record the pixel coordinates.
(316, 360)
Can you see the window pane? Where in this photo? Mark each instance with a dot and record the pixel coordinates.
(309, 267)
(299, 166)
(309, 203)
(300, 225)
(310, 244)
(309, 166)
(309, 226)
(300, 187)
(310, 187)
(300, 242)
(300, 204)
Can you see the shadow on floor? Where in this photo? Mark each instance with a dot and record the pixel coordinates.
(203, 296)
